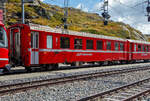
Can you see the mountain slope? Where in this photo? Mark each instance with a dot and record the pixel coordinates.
(78, 20)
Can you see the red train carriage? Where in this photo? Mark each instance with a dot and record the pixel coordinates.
(3, 48)
(36, 45)
(139, 50)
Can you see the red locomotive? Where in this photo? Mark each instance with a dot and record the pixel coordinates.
(36, 45)
(3, 48)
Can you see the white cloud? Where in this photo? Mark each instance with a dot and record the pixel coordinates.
(42, 0)
(82, 7)
(121, 10)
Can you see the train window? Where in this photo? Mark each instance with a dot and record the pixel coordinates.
(143, 49)
(64, 42)
(34, 40)
(135, 48)
(146, 48)
(37, 41)
(49, 41)
(121, 47)
(89, 44)
(139, 47)
(31, 40)
(108, 45)
(100, 44)
(78, 43)
(116, 46)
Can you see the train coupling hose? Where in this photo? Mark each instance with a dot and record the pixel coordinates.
(8, 67)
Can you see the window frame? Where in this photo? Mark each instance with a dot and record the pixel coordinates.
(116, 48)
(102, 42)
(51, 44)
(81, 44)
(108, 44)
(91, 44)
(68, 45)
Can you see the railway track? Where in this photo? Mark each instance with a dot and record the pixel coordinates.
(14, 88)
(136, 91)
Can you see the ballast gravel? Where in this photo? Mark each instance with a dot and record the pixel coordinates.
(75, 90)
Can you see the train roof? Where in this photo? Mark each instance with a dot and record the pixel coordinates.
(139, 41)
(69, 32)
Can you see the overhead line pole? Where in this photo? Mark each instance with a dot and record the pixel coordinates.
(66, 3)
(23, 14)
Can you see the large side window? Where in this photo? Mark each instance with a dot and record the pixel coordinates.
(121, 46)
(116, 46)
(49, 41)
(64, 42)
(78, 43)
(139, 47)
(108, 47)
(99, 45)
(89, 44)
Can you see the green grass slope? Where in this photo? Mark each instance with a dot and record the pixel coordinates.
(78, 20)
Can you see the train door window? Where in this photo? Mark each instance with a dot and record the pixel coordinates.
(135, 48)
(89, 44)
(116, 46)
(130, 46)
(31, 40)
(64, 42)
(146, 48)
(37, 40)
(78, 43)
(99, 45)
(49, 41)
(139, 47)
(108, 47)
(34, 40)
(121, 47)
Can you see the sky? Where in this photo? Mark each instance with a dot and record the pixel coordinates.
(132, 12)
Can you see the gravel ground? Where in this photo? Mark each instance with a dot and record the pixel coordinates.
(19, 78)
(76, 90)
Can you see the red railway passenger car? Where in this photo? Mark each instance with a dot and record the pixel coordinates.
(36, 45)
(3, 48)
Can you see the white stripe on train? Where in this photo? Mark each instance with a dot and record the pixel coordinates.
(95, 51)
(3, 59)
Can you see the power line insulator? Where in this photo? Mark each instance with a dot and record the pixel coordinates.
(105, 23)
(148, 9)
(149, 19)
(65, 26)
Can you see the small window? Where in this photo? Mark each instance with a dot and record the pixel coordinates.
(32, 40)
(89, 44)
(116, 46)
(37, 41)
(139, 47)
(143, 49)
(64, 42)
(78, 43)
(135, 48)
(108, 45)
(49, 41)
(131, 47)
(121, 47)
(146, 48)
(99, 45)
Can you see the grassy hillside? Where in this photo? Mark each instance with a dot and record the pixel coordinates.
(78, 20)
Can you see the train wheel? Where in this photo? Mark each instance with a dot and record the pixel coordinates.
(76, 64)
(55, 66)
(101, 63)
(28, 69)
